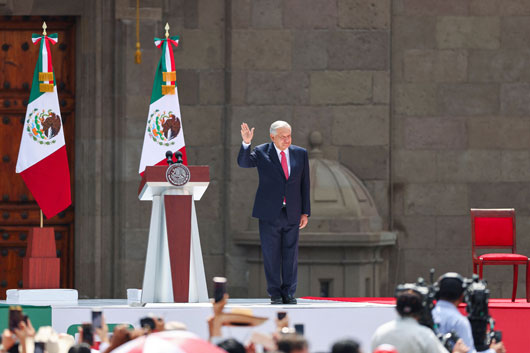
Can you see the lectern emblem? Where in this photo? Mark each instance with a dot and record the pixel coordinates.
(177, 174)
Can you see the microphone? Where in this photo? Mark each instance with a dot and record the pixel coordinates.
(178, 157)
(169, 154)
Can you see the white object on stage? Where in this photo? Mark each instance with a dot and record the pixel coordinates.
(134, 296)
(41, 296)
(174, 269)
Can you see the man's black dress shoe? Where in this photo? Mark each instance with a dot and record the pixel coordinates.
(276, 300)
(289, 300)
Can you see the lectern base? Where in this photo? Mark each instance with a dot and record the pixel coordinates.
(174, 269)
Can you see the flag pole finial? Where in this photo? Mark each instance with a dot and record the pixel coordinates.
(44, 28)
(167, 30)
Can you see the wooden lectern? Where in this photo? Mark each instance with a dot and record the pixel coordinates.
(174, 270)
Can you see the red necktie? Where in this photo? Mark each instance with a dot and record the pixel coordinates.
(285, 169)
(284, 165)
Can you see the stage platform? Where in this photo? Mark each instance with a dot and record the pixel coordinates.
(326, 320)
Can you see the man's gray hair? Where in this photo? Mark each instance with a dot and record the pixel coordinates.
(278, 124)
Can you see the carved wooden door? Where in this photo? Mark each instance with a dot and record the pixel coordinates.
(18, 209)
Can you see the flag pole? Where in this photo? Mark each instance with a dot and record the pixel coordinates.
(138, 54)
(41, 247)
(43, 33)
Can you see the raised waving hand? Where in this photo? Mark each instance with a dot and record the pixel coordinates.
(246, 133)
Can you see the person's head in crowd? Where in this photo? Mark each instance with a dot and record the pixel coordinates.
(79, 348)
(346, 346)
(152, 323)
(451, 287)
(54, 342)
(409, 304)
(232, 346)
(385, 348)
(292, 343)
(65, 342)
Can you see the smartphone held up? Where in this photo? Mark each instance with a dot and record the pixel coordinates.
(97, 321)
(219, 288)
(15, 317)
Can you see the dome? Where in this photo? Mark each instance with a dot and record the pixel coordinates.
(339, 200)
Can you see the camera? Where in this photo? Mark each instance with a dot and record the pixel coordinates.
(427, 294)
(449, 340)
(476, 297)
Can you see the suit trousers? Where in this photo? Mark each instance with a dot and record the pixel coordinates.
(279, 245)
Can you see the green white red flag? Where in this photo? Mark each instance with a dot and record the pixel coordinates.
(164, 124)
(42, 160)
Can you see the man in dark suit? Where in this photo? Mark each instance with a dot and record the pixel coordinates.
(281, 204)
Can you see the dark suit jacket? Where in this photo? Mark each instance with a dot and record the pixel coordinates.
(273, 186)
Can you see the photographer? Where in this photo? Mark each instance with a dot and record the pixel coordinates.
(448, 319)
(405, 333)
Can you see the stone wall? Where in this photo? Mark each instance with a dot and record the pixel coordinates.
(320, 65)
(460, 117)
(427, 96)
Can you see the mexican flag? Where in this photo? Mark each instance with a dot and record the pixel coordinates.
(42, 160)
(164, 125)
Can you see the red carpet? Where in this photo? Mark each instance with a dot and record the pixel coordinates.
(513, 319)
